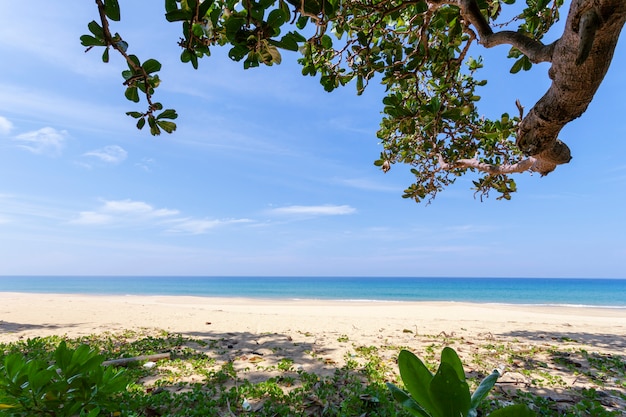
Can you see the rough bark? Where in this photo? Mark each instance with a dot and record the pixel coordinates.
(580, 59)
(573, 84)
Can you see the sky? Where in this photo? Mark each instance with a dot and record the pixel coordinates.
(268, 174)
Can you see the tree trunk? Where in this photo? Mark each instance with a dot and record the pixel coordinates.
(580, 60)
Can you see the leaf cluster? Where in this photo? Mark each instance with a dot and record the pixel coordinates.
(74, 384)
(445, 394)
(419, 50)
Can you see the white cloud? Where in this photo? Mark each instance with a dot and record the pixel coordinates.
(201, 226)
(92, 217)
(139, 213)
(366, 184)
(111, 154)
(146, 164)
(325, 210)
(45, 141)
(5, 126)
(138, 208)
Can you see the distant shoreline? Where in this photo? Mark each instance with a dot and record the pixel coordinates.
(605, 293)
(355, 301)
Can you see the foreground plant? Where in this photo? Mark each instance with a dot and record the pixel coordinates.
(75, 384)
(445, 394)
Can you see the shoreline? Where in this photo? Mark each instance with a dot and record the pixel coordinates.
(278, 299)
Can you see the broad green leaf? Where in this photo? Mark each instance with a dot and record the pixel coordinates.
(112, 9)
(132, 94)
(154, 129)
(168, 114)
(449, 356)
(416, 378)
(87, 40)
(96, 29)
(169, 127)
(483, 389)
(141, 123)
(105, 55)
(276, 18)
(238, 52)
(517, 66)
(151, 65)
(204, 8)
(449, 394)
(406, 401)
(170, 5)
(134, 114)
(178, 15)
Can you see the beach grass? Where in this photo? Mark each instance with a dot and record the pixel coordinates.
(218, 376)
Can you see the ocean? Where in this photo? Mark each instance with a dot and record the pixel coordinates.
(607, 293)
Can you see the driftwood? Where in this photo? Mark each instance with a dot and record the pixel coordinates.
(126, 361)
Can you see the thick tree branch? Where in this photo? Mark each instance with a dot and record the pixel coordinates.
(519, 167)
(534, 50)
(574, 80)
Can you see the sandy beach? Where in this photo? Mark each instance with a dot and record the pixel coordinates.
(319, 335)
(364, 323)
(29, 315)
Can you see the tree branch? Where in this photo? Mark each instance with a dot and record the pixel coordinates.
(535, 51)
(527, 164)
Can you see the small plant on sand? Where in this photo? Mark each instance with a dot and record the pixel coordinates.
(445, 394)
(75, 384)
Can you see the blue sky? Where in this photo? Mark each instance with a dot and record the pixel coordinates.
(268, 174)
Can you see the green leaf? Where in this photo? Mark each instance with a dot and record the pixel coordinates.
(327, 42)
(276, 18)
(449, 394)
(154, 129)
(151, 65)
(141, 123)
(416, 378)
(204, 8)
(449, 356)
(238, 52)
(170, 5)
(169, 127)
(87, 40)
(112, 10)
(168, 114)
(134, 114)
(132, 94)
(178, 15)
(96, 29)
(406, 401)
(483, 389)
(105, 55)
(301, 22)
(185, 56)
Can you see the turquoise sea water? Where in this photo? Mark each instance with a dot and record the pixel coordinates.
(609, 293)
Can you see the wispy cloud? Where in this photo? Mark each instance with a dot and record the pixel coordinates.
(366, 184)
(201, 226)
(111, 154)
(45, 141)
(5, 126)
(118, 211)
(325, 210)
(142, 214)
(146, 164)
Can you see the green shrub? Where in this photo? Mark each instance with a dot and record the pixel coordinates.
(445, 394)
(75, 384)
